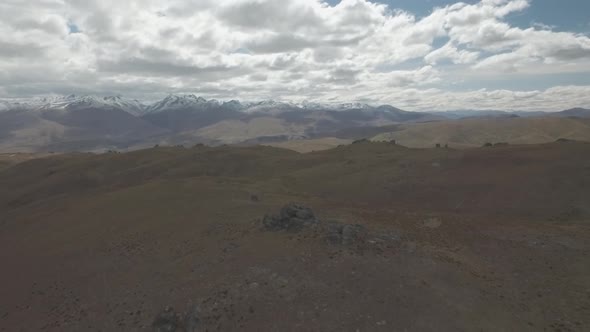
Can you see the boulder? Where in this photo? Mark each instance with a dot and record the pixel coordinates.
(345, 234)
(170, 321)
(353, 234)
(166, 321)
(295, 211)
(334, 233)
(292, 217)
(191, 320)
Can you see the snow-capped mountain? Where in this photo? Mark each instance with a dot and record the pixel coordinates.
(169, 103)
(270, 106)
(233, 105)
(131, 106)
(355, 106)
(172, 102)
(19, 104)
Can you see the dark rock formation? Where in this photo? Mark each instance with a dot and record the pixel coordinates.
(295, 218)
(343, 234)
(166, 321)
(333, 233)
(292, 217)
(353, 234)
(170, 321)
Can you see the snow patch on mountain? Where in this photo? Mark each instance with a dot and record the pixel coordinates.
(131, 106)
(177, 102)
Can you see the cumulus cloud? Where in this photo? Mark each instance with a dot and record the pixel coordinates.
(452, 53)
(292, 49)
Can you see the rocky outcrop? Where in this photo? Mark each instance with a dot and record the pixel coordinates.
(166, 321)
(345, 234)
(170, 321)
(299, 218)
(292, 217)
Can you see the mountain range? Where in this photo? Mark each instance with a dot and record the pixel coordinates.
(91, 123)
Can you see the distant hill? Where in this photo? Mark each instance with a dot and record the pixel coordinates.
(462, 114)
(73, 128)
(478, 131)
(465, 114)
(574, 112)
(91, 123)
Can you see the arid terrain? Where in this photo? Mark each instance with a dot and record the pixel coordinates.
(295, 165)
(101, 124)
(400, 239)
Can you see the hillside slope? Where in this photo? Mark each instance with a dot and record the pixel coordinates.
(75, 128)
(491, 237)
(476, 132)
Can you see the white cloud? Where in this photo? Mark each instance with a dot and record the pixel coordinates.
(292, 49)
(556, 98)
(451, 52)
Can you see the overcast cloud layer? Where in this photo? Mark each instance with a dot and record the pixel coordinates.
(292, 50)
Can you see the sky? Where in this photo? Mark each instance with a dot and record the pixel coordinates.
(416, 55)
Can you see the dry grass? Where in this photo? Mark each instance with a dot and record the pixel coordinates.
(310, 145)
(476, 132)
(493, 237)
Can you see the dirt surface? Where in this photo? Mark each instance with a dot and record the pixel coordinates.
(10, 159)
(475, 132)
(488, 239)
(311, 145)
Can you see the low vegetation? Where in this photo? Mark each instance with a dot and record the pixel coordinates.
(176, 238)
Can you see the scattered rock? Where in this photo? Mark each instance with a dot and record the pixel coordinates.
(432, 223)
(343, 234)
(230, 247)
(334, 233)
(191, 320)
(166, 321)
(388, 237)
(170, 321)
(292, 217)
(353, 234)
(294, 211)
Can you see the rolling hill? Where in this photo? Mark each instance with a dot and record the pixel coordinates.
(87, 123)
(476, 132)
(75, 128)
(175, 237)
